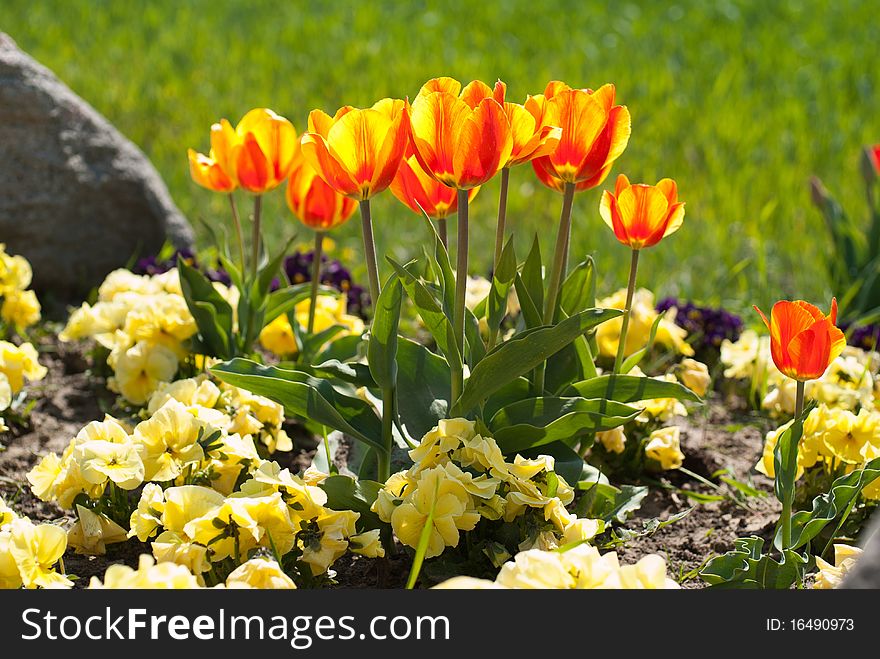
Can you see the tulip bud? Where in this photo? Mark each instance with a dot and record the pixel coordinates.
(870, 163)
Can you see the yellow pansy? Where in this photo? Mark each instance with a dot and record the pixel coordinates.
(10, 578)
(664, 447)
(850, 437)
(20, 363)
(334, 528)
(147, 517)
(445, 437)
(92, 532)
(612, 440)
(694, 375)
(101, 460)
(186, 503)
(36, 549)
(15, 272)
(367, 544)
(168, 441)
(191, 392)
(7, 514)
(140, 369)
(169, 547)
(830, 576)
(20, 309)
(536, 569)
(330, 310)
(148, 575)
(259, 573)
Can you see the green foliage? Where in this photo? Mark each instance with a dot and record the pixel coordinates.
(747, 566)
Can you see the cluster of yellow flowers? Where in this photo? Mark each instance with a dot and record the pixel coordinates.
(663, 444)
(830, 576)
(834, 439)
(20, 308)
(258, 572)
(580, 567)
(18, 364)
(196, 526)
(851, 381)
(144, 322)
(195, 431)
(29, 553)
(438, 482)
(642, 317)
(330, 310)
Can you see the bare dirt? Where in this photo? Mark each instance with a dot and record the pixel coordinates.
(712, 439)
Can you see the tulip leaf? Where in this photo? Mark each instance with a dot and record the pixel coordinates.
(522, 353)
(212, 313)
(827, 507)
(530, 312)
(441, 262)
(631, 389)
(502, 280)
(423, 388)
(432, 314)
(309, 397)
(354, 373)
(382, 344)
(346, 493)
(785, 459)
(532, 275)
(606, 502)
(512, 392)
(579, 288)
(537, 421)
(343, 349)
(476, 348)
(746, 566)
(285, 299)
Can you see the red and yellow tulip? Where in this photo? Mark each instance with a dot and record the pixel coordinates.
(641, 215)
(461, 137)
(595, 132)
(420, 192)
(312, 201)
(803, 340)
(357, 151)
(255, 155)
(531, 138)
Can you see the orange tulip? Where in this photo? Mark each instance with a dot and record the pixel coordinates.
(421, 192)
(641, 215)
(594, 132)
(531, 138)
(803, 341)
(315, 203)
(357, 151)
(461, 139)
(256, 155)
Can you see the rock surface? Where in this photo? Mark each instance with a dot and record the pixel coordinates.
(77, 198)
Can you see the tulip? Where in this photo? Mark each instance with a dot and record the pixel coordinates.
(640, 216)
(319, 207)
(422, 193)
(803, 343)
(594, 134)
(357, 152)
(256, 155)
(462, 138)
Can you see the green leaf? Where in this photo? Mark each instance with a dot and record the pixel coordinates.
(512, 392)
(476, 348)
(532, 275)
(568, 464)
(827, 507)
(523, 353)
(785, 458)
(431, 313)
(352, 372)
(343, 349)
(579, 288)
(631, 389)
(306, 396)
(345, 493)
(285, 299)
(502, 280)
(423, 388)
(382, 346)
(747, 567)
(441, 262)
(636, 358)
(609, 503)
(530, 312)
(537, 421)
(212, 313)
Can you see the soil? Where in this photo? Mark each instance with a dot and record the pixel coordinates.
(713, 439)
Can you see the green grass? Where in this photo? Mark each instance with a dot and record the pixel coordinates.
(738, 101)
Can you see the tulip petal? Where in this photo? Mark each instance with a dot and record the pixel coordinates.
(474, 92)
(582, 119)
(251, 165)
(442, 84)
(391, 152)
(812, 350)
(317, 154)
(436, 122)
(484, 145)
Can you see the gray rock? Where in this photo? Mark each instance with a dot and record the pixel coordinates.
(76, 197)
(866, 572)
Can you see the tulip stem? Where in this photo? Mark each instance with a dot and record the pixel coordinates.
(461, 273)
(442, 230)
(239, 235)
(502, 218)
(383, 458)
(370, 250)
(627, 311)
(255, 254)
(316, 279)
(560, 260)
(787, 504)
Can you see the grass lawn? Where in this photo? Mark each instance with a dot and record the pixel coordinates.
(740, 102)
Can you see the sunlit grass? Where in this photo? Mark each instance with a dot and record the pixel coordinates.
(738, 101)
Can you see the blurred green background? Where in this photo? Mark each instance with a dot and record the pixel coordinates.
(740, 102)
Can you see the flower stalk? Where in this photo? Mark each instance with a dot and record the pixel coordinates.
(255, 238)
(316, 278)
(370, 250)
(461, 273)
(239, 234)
(787, 504)
(627, 312)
